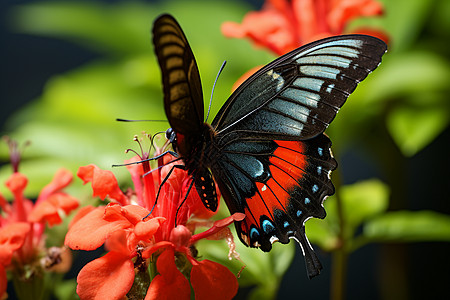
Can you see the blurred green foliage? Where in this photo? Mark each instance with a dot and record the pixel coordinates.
(73, 122)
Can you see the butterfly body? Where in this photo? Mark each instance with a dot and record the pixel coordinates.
(265, 149)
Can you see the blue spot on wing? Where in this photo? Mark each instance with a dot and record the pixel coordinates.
(315, 188)
(267, 226)
(320, 151)
(254, 233)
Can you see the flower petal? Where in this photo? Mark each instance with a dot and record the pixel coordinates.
(61, 179)
(345, 11)
(267, 28)
(12, 237)
(147, 253)
(146, 229)
(170, 284)
(91, 231)
(17, 183)
(50, 208)
(134, 213)
(108, 277)
(81, 213)
(217, 227)
(211, 280)
(104, 183)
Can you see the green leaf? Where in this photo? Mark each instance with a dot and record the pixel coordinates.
(360, 201)
(409, 92)
(66, 290)
(408, 226)
(323, 233)
(413, 128)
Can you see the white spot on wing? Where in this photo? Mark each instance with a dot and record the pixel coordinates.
(273, 239)
(312, 84)
(277, 77)
(330, 88)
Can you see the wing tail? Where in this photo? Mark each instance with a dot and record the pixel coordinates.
(313, 265)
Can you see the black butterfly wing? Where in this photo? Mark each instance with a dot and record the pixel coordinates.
(183, 102)
(299, 94)
(273, 161)
(183, 96)
(279, 185)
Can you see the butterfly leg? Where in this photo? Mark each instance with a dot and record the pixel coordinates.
(185, 197)
(149, 159)
(161, 185)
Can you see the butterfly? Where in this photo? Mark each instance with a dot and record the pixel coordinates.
(266, 148)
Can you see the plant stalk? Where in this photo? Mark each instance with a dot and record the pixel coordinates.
(340, 255)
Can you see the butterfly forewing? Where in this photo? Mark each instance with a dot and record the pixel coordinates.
(183, 97)
(298, 95)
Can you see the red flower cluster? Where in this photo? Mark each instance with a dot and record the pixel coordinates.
(134, 241)
(282, 26)
(22, 223)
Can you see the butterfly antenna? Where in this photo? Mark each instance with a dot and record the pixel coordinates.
(152, 141)
(214, 85)
(128, 120)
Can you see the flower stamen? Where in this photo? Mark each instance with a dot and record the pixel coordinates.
(15, 153)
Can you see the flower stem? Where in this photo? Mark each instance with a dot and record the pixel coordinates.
(339, 273)
(152, 267)
(340, 255)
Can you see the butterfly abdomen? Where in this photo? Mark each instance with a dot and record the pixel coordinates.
(195, 151)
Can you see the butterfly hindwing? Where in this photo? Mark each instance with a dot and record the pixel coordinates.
(183, 96)
(278, 185)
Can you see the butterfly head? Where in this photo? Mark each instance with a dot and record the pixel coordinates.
(171, 135)
(174, 138)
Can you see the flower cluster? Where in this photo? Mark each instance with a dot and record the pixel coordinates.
(149, 256)
(282, 25)
(22, 224)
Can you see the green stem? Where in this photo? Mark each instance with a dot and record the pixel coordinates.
(152, 268)
(339, 273)
(340, 256)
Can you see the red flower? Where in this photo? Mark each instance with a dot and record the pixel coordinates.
(133, 242)
(12, 238)
(22, 222)
(52, 202)
(282, 26)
